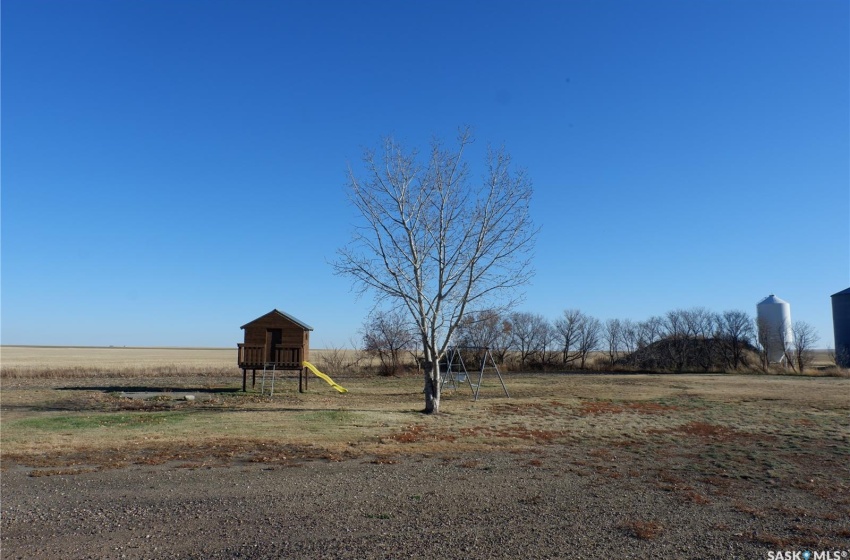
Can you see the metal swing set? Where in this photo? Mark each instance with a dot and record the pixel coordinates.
(453, 370)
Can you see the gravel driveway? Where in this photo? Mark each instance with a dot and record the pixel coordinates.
(498, 505)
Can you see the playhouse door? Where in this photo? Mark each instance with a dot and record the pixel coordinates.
(273, 338)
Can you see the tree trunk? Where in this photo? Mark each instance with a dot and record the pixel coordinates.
(432, 387)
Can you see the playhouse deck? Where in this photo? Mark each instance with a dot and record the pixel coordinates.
(258, 355)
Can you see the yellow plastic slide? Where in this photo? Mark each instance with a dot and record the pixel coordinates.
(330, 381)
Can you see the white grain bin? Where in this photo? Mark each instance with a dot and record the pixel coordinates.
(773, 316)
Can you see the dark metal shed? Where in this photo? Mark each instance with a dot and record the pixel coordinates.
(841, 327)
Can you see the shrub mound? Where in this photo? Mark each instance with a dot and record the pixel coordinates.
(692, 354)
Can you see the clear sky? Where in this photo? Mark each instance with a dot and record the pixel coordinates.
(172, 169)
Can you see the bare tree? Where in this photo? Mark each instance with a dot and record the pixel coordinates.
(387, 335)
(805, 338)
(547, 342)
(701, 329)
(629, 336)
(567, 334)
(588, 338)
(650, 331)
(786, 341)
(530, 335)
(502, 341)
(736, 334)
(481, 331)
(678, 338)
(437, 245)
(611, 334)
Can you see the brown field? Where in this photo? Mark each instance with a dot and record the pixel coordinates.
(755, 462)
(21, 362)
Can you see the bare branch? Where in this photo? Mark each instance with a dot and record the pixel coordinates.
(435, 243)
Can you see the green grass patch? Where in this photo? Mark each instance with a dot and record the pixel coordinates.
(327, 417)
(120, 420)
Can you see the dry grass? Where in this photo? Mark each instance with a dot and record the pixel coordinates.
(697, 438)
(616, 416)
(702, 440)
(765, 458)
(644, 530)
(65, 362)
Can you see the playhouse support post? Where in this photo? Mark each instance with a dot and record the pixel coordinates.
(244, 379)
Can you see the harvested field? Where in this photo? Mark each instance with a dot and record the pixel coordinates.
(689, 466)
(63, 362)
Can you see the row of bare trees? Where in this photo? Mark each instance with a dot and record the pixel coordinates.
(442, 244)
(694, 339)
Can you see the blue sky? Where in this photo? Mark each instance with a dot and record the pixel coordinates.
(172, 169)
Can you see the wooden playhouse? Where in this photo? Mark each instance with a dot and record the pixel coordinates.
(275, 340)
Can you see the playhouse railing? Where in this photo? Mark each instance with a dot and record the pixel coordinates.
(284, 357)
(288, 356)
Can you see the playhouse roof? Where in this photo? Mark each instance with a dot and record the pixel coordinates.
(274, 313)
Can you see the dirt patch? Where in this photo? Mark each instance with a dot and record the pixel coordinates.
(606, 407)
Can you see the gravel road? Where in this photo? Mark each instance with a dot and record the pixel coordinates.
(498, 505)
